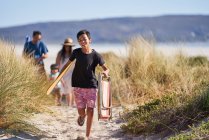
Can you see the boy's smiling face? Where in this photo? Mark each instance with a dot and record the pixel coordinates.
(84, 41)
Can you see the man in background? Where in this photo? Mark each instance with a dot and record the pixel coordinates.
(37, 50)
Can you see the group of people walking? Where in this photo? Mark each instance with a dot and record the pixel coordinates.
(80, 82)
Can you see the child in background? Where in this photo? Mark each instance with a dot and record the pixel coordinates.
(56, 91)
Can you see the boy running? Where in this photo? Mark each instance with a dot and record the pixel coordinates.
(83, 78)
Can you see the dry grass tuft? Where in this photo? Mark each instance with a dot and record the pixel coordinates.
(169, 92)
(22, 90)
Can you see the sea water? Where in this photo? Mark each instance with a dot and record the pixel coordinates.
(189, 49)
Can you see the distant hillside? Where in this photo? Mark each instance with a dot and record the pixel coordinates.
(162, 28)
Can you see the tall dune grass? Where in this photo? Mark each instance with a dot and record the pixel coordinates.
(22, 90)
(170, 92)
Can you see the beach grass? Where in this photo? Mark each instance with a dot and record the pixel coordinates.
(195, 132)
(160, 93)
(22, 89)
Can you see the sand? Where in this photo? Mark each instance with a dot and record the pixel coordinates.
(61, 124)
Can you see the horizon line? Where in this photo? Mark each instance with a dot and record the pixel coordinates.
(92, 19)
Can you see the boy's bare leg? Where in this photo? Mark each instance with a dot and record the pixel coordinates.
(90, 114)
(81, 112)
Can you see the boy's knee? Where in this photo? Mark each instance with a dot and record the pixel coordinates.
(89, 109)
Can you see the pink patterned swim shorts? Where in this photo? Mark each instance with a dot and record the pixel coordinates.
(85, 97)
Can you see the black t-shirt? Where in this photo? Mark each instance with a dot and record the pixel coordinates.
(84, 72)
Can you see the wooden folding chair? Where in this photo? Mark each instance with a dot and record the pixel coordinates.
(104, 98)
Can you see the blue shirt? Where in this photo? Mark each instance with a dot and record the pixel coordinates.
(35, 50)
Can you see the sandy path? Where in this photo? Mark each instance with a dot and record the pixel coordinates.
(61, 124)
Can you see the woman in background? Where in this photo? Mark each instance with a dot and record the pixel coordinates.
(62, 58)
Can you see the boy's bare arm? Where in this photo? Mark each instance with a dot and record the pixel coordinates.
(105, 70)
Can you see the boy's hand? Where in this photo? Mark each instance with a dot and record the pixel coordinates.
(106, 73)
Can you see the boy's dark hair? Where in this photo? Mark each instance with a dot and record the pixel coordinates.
(54, 67)
(83, 32)
(36, 33)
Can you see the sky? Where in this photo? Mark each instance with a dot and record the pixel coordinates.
(21, 12)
